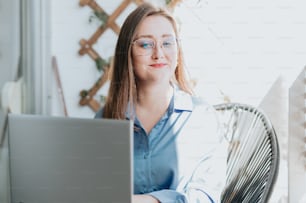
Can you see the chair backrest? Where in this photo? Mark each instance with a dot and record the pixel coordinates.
(253, 158)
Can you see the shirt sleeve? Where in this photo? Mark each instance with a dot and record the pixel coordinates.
(99, 113)
(169, 196)
(202, 157)
(172, 196)
(206, 180)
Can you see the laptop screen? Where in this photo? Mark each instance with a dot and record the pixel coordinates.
(60, 159)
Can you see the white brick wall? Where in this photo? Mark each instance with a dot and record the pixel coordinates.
(297, 141)
(237, 47)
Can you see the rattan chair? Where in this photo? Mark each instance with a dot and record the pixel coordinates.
(253, 158)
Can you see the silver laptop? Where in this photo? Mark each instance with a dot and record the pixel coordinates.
(70, 160)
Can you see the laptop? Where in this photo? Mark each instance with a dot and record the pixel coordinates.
(69, 160)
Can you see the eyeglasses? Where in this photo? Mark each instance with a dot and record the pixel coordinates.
(146, 46)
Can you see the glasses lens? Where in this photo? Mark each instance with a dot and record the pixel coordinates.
(144, 46)
(169, 43)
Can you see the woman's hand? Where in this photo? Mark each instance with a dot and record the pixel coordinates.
(144, 199)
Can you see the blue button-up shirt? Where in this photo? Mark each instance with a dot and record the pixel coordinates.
(165, 159)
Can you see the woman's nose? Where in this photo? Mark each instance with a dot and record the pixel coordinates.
(158, 51)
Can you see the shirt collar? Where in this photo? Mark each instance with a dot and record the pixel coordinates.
(182, 100)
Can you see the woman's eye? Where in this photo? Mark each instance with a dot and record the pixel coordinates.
(147, 45)
(167, 44)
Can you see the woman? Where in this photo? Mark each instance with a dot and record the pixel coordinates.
(149, 85)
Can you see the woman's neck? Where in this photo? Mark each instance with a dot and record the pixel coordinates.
(154, 96)
(152, 103)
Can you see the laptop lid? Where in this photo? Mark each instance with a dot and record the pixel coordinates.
(63, 160)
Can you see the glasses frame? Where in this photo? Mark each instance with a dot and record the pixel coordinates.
(159, 43)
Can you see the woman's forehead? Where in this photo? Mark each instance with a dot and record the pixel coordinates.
(155, 26)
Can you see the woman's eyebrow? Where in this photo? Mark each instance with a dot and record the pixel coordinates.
(151, 36)
(144, 36)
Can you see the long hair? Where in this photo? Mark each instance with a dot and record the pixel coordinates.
(122, 94)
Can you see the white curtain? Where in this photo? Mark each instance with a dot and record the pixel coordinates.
(35, 55)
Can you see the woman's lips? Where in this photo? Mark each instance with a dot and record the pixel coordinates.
(158, 65)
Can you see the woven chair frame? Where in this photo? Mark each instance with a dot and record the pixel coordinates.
(253, 159)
